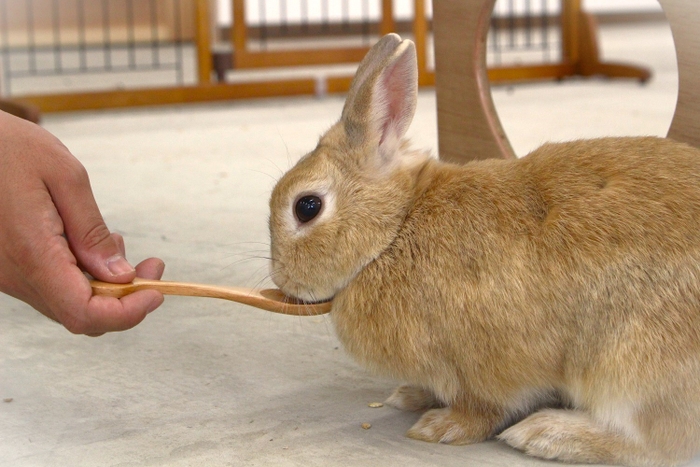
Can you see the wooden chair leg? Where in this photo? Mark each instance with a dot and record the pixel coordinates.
(589, 63)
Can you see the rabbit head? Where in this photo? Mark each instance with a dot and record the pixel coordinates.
(340, 206)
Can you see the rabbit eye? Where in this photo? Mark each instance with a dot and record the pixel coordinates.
(307, 208)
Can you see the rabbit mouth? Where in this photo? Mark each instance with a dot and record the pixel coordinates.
(305, 294)
(316, 302)
(299, 291)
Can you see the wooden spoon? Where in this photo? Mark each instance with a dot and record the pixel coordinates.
(267, 299)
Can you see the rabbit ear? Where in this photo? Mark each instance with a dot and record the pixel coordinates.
(374, 59)
(382, 98)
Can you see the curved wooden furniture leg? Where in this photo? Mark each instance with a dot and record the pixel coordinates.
(684, 17)
(468, 126)
(589, 63)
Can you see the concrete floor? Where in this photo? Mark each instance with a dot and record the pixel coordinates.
(203, 382)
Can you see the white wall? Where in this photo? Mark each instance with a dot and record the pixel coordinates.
(601, 6)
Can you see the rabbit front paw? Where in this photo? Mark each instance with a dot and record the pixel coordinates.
(448, 426)
(413, 399)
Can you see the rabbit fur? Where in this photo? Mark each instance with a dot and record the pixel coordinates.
(551, 301)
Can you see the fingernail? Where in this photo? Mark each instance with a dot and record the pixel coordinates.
(118, 265)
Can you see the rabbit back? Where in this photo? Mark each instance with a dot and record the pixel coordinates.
(544, 272)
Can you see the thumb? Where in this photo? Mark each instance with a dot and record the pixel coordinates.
(89, 238)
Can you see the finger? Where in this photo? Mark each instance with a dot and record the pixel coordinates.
(151, 268)
(67, 295)
(134, 312)
(96, 249)
(83, 313)
(109, 314)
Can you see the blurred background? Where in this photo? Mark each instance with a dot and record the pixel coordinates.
(78, 54)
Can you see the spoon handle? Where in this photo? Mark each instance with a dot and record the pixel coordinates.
(267, 299)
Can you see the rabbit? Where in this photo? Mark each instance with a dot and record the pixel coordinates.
(551, 302)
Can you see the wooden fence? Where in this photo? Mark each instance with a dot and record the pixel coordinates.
(73, 41)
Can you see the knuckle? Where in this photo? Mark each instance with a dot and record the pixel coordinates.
(64, 168)
(75, 173)
(95, 235)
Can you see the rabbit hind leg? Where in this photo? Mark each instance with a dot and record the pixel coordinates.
(575, 436)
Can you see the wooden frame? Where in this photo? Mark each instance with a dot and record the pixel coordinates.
(684, 16)
(29, 106)
(579, 45)
(244, 58)
(466, 114)
(580, 51)
(203, 37)
(202, 91)
(205, 90)
(128, 20)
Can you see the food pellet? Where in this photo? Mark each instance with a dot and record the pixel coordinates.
(366, 426)
(375, 405)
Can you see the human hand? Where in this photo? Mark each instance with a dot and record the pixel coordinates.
(51, 230)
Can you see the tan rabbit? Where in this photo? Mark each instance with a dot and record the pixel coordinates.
(551, 301)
